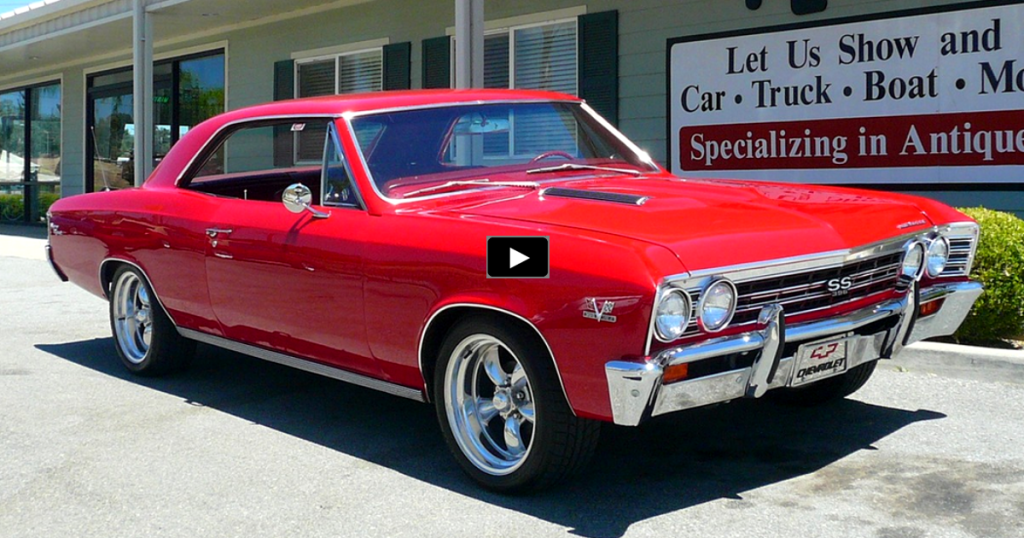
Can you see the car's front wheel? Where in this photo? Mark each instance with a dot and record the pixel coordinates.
(145, 338)
(502, 410)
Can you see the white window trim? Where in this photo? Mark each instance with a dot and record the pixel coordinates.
(532, 19)
(349, 48)
(511, 32)
(336, 56)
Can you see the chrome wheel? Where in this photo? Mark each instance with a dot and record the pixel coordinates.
(489, 404)
(132, 316)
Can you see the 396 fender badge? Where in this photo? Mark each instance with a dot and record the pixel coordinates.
(599, 313)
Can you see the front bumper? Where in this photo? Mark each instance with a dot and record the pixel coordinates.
(636, 390)
(53, 264)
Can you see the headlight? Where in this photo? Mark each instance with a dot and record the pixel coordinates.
(913, 260)
(938, 255)
(672, 316)
(717, 305)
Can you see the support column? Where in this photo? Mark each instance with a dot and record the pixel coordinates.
(469, 43)
(142, 56)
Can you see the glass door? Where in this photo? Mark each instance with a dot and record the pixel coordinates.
(110, 132)
(186, 90)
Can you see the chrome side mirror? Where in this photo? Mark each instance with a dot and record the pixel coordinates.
(298, 198)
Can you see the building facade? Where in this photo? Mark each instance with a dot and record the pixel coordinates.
(67, 95)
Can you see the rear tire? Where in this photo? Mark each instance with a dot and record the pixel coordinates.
(502, 411)
(146, 340)
(827, 390)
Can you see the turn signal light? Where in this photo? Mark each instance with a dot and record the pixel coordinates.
(930, 308)
(675, 373)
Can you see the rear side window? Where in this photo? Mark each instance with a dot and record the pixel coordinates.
(241, 162)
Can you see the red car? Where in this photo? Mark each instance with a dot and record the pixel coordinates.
(348, 236)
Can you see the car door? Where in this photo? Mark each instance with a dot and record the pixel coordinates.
(293, 282)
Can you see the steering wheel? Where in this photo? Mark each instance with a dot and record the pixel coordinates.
(552, 153)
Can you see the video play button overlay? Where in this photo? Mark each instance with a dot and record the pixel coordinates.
(517, 257)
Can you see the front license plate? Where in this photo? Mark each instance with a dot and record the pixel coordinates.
(819, 360)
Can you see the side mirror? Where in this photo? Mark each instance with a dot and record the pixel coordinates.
(298, 198)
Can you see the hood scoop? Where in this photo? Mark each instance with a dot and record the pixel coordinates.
(599, 196)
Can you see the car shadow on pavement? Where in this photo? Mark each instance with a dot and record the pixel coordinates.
(669, 463)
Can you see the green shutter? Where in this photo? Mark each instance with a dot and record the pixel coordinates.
(284, 79)
(806, 7)
(396, 66)
(599, 62)
(284, 88)
(437, 62)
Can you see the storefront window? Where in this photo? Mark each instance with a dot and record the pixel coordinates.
(45, 122)
(29, 152)
(186, 91)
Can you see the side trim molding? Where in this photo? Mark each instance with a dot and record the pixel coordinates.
(305, 365)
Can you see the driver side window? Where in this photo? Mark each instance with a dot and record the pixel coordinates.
(338, 187)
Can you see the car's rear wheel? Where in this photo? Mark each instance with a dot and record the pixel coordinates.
(145, 338)
(827, 390)
(502, 411)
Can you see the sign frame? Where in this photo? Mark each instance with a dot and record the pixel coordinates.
(673, 153)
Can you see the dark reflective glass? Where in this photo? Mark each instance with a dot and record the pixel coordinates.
(12, 155)
(46, 155)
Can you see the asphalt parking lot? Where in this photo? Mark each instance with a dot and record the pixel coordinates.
(239, 447)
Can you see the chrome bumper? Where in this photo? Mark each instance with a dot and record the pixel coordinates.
(49, 258)
(637, 393)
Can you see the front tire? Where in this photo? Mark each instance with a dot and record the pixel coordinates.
(146, 340)
(502, 411)
(827, 390)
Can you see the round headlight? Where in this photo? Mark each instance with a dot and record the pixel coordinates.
(672, 316)
(938, 255)
(913, 260)
(717, 305)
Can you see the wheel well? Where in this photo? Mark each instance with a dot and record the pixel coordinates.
(442, 323)
(107, 270)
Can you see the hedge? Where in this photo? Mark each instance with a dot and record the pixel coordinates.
(12, 206)
(999, 266)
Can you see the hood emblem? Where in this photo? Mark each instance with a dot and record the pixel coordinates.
(911, 224)
(600, 312)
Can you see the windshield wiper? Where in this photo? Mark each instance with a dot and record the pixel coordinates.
(474, 183)
(577, 166)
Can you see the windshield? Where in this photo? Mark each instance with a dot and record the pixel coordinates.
(410, 152)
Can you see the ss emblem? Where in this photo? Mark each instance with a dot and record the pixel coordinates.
(840, 286)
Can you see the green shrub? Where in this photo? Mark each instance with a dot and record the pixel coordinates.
(999, 266)
(46, 200)
(12, 207)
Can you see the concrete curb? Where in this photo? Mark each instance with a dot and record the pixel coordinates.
(969, 362)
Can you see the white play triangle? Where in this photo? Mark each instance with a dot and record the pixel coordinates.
(515, 258)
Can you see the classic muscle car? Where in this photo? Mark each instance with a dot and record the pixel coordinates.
(347, 236)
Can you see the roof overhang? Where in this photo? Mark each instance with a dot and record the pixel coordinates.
(56, 34)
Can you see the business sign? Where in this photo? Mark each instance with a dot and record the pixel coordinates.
(917, 98)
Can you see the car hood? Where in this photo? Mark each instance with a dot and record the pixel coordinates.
(716, 223)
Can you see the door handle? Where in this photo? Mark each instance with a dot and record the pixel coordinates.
(212, 232)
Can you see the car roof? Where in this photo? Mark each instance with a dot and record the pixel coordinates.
(367, 102)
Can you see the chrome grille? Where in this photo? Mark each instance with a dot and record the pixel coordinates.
(807, 291)
(960, 253)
